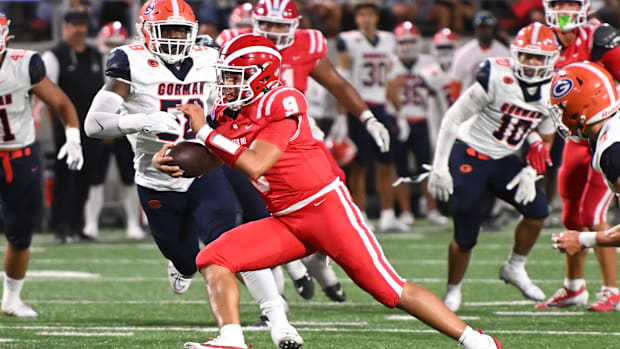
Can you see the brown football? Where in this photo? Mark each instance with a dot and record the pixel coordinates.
(193, 158)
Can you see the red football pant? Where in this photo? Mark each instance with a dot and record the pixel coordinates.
(331, 224)
(585, 196)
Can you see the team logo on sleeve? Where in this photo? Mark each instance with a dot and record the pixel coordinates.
(561, 88)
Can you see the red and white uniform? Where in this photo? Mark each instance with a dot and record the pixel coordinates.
(312, 209)
(228, 34)
(584, 193)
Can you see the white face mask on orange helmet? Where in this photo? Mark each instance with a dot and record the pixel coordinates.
(534, 40)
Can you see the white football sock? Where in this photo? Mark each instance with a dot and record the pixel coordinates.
(574, 284)
(92, 209)
(232, 333)
(12, 290)
(388, 214)
(262, 287)
(471, 339)
(296, 269)
(278, 275)
(320, 270)
(517, 260)
(611, 289)
(131, 204)
(454, 288)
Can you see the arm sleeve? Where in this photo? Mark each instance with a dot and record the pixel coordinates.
(102, 117)
(609, 163)
(52, 67)
(117, 66)
(279, 132)
(471, 102)
(36, 69)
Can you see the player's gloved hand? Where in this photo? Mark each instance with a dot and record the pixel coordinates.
(440, 182)
(157, 122)
(403, 129)
(377, 130)
(340, 128)
(538, 157)
(72, 149)
(525, 181)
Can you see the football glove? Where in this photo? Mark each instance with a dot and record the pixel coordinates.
(538, 157)
(340, 128)
(72, 149)
(525, 182)
(377, 130)
(439, 182)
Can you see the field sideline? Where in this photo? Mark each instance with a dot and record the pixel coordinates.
(115, 294)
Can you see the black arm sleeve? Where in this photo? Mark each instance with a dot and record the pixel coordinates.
(610, 162)
(605, 38)
(36, 69)
(341, 45)
(483, 73)
(118, 65)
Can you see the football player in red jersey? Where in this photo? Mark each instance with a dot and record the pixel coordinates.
(262, 129)
(585, 196)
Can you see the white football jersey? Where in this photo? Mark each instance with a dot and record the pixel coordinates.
(501, 127)
(469, 56)
(415, 95)
(438, 81)
(154, 87)
(609, 135)
(370, 63)
(16, 100)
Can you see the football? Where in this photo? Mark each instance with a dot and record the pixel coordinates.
(193, 158)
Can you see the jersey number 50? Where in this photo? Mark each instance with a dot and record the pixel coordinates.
(167, 104)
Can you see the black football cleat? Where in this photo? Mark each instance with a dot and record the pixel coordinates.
(335, 293)
(305, 286)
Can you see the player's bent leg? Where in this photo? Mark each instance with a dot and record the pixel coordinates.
(324, 274)
(15, 265)
(459, 254)
(304, 285)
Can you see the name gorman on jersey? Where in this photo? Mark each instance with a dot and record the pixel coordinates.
(519, 112)
(174, 89)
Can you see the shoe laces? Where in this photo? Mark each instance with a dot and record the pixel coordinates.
(603, 296)
(561, 293)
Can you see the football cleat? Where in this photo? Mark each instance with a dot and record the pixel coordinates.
(134, 232)
(391, 223)
(216, 343)
(564, 297)
(406, 218)
(305, 286)
(605, 301)
(436, 218)
(335, 293)
(287, 337)
(178, 282)
(494, 343)
(518, 278)
(452, 300)
(18, 310)
(263, 321)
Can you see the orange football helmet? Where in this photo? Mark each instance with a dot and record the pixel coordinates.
(566, 20)
(535, 40)
(581, 94)
(241, 16)
(443, 46)
(283, 12)
(159, 16)
(111, 35)
(4, 32)
(408, 41)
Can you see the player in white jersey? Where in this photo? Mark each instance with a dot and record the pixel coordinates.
(366, 57)
(22, 75)
(585, 106)
(468, 57)
(504, 106)
(148, 81)
(410, 95)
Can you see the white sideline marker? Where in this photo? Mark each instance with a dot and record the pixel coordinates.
(60, 274)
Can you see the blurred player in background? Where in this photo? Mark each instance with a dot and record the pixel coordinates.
(147, 81)
(21, 196)
(239, 22)
(411, 97)
(492, 119)
(110, 36)
(585, 197)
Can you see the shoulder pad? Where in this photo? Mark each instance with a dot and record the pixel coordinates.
(483, 73)
(605, 38)
(341, 44)
(282, 103)
(117, 65)
(36, 69)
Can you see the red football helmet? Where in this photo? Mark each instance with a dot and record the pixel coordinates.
(343, 151)
(566, 20)
(248, 66)
(534, 40)
(158, 16)
(581, 94)
(4, 32)
(408, 41)
(443, 46)
(111, 35)
(270, 13)
(241, 16)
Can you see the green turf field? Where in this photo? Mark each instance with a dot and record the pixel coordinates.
(118, 297)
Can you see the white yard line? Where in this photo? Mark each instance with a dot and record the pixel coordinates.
(411, 318)
(86, 334)
(539, 313)
(498, 303)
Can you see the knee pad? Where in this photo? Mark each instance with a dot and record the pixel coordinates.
(465, 243)
(19, 241)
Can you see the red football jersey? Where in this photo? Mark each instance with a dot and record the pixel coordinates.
(581, 48)
(303, 169)
(298, 60)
